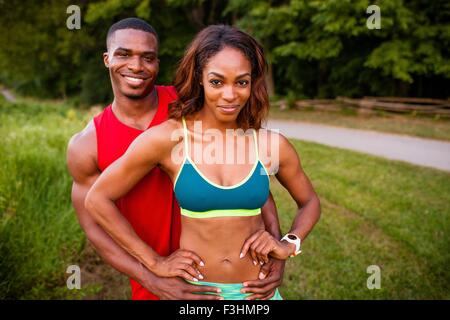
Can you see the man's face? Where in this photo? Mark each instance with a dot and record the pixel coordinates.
(133, 63)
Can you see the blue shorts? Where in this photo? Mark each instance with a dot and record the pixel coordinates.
(231, 291)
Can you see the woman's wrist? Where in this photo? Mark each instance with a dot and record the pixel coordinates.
(149, 259)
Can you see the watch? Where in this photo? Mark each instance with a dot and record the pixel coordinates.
(292, 238)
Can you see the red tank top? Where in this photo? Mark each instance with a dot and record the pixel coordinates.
(150, 206)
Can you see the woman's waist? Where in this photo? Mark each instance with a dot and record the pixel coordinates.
(224, 265)
(219, 244)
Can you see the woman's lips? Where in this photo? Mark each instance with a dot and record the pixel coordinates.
(228, 109)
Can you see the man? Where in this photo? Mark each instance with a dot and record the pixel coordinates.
(150, 207)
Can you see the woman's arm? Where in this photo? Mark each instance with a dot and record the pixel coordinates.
(144, 153)
(291, 175)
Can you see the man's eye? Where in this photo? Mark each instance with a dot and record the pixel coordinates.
(215, 82)
(149, 59)
(122, 54)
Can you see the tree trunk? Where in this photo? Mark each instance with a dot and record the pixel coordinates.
(269, 80)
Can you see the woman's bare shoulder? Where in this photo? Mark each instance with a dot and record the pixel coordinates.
(165, 131)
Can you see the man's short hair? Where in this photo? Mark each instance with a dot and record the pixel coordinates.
(131, 23)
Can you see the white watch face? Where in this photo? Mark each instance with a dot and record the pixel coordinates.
(292, 237)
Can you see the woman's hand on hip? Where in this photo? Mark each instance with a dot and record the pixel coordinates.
(261, 244)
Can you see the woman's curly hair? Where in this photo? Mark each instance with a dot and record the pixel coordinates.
(205, 45)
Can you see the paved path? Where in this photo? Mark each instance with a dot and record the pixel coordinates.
(419, 151)
(8, 95)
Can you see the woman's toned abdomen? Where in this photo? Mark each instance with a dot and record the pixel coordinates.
(218, 241)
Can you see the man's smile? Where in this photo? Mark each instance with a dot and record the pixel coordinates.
(134, 80)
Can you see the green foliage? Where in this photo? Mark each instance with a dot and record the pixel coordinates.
(319, 48)
(353, 60)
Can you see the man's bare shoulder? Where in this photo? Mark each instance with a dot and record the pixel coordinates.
(82, 152)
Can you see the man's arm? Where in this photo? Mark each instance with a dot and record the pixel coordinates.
(82, 164)
(270, 216)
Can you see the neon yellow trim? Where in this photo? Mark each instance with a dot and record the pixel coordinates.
(186, 156)
(218, 185)
(186, 142)
(257, 154)
(178, 174)
(256, 144)
(265, 170)
(184, 151)
(221, 213)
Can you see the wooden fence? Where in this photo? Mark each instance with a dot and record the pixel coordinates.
(424, 106)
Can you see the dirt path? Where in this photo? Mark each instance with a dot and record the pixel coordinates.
(418, 151)
(94, 271)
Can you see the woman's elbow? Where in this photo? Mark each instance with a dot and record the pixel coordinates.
(319, 206)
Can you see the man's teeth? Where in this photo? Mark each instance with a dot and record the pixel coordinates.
(134, 80)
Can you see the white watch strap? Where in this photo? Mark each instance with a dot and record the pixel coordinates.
(292, 238)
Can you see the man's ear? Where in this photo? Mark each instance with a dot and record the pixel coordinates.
(106, 59)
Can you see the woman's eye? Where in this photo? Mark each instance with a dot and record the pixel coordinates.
(243, 83)
(215, 82)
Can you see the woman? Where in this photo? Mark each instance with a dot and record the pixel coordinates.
(221, 88)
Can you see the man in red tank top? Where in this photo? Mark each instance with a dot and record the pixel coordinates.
(150, 207)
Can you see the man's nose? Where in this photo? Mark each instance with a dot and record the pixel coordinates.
(228, 93)
(135, 64)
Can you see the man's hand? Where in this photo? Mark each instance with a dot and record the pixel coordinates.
(178, 289)
(270, 278)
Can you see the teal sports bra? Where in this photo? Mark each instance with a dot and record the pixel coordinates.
(198, 197)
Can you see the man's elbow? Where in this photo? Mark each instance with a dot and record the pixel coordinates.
(91, 204)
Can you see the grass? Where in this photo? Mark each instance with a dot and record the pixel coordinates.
(374, 212)
(39, 234)
(408, 124)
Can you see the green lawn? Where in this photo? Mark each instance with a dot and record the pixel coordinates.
(374, 212)
(419, 126)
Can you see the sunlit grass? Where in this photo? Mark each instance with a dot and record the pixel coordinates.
(374, 212)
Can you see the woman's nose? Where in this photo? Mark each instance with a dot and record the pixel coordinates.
(228, 93)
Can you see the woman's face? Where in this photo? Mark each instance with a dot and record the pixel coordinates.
(226, 79)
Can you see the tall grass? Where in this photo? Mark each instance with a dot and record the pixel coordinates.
(39, 235)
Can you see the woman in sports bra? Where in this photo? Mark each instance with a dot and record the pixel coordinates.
(219, 159)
